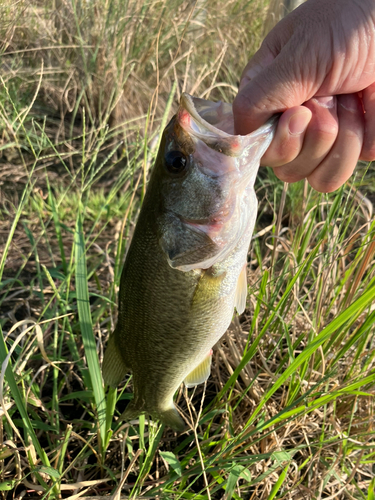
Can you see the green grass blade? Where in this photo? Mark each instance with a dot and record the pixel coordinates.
(371, 490)
(16, 395)
(278, 483)
(13, 229)
(87, 332)
(56, 221)
(359, 305)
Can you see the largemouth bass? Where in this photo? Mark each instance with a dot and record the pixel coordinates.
(185, 270)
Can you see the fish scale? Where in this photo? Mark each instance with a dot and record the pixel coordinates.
(182, 274)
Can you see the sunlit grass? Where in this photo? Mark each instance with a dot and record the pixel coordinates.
(289, 409)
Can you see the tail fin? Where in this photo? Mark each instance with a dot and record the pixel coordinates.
(168, 417)
(172, 418)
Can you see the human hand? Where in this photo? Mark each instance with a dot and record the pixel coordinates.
(317, 67)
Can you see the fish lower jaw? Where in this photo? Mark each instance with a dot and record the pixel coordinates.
(210, 227)
(216, 229)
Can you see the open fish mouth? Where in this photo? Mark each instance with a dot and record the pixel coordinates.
(211, 204)
(213, 123)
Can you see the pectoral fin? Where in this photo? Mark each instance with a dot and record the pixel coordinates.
(114, 368)
(201, 373)
(241, 292)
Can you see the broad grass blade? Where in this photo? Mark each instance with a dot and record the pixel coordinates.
(87, 332)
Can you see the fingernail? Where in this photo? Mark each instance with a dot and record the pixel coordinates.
(298, 123)
(349, 102)
(325, 102)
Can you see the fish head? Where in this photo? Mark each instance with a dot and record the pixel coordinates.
(205, 176)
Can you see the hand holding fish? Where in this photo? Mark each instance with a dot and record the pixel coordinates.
(317, 67)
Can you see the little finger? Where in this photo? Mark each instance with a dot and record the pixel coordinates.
(338, 165)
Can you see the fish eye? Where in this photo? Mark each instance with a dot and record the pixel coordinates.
(175, 162)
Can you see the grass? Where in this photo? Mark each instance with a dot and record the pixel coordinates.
(289, 409)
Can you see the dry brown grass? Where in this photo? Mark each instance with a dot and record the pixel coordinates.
(78, 82)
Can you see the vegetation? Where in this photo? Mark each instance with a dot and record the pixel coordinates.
(85, 90)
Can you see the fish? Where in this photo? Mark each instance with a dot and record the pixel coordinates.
(186, 268)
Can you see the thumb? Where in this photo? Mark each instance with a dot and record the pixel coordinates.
(268, 86)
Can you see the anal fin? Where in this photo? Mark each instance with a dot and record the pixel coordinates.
(201, 373)
(241, 291)
(114, 368)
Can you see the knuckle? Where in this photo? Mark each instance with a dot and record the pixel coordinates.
(288, 174)
(353, 135)
(325, 131)
(241, 104)
(287, 151)
(368, 153)
(324, 186)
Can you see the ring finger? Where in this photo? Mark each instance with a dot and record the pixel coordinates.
(338, 165)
